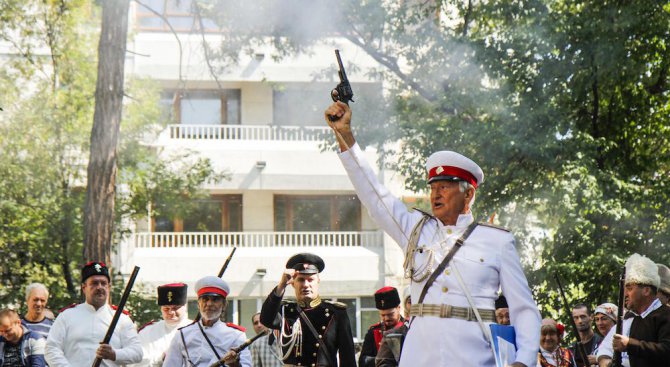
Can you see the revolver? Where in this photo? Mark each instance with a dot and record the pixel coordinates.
(342, 91)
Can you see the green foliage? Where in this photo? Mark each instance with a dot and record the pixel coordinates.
(141, 303)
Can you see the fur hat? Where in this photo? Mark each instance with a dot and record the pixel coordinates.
(664, 273)
(641, 270)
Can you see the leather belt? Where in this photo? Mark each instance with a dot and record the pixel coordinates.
(449, 311)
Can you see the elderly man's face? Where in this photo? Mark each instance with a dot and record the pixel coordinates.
(211, 307)
(96, 290)
(37, 302)
(663, 297)
(306, 287)
(637, 297)
(447, 201)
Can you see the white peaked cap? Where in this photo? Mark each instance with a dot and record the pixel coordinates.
(452, 166)
(641, 270)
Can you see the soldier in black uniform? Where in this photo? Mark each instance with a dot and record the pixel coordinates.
(312, 331)
(387, 301)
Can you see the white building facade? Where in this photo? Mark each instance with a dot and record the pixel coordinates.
(262, 122)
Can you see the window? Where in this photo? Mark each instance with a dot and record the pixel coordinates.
(178, 13)
(217, 214)
(317, 213)
(299, 105)
(209, 107)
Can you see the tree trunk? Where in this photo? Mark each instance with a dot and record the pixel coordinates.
(101, 185)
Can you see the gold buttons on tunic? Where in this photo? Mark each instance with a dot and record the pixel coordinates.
(323, 328)
(449, 231)
(446, 272)
(481, 259)
(317, 345)
(313, 354)
(445, 289)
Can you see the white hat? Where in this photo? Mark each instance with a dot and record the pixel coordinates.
(664, 273)
(452, 166)
(212, 286)
(641, 270)
(608, 309)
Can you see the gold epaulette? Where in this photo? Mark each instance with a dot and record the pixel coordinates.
(487, 224)
(339, 305)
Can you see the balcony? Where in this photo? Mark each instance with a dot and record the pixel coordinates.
(256, 239)
(249, 132)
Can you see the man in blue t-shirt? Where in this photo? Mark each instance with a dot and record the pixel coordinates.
(36, 319)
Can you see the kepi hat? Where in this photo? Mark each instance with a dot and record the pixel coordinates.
(452, 166)
(501, 302)
(173, 294)
(94, 268)
(306, 263)
(641, 270)
(211, 286)
(386, 298)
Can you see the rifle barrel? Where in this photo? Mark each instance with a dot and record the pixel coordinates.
(579, 346)
(119, 311)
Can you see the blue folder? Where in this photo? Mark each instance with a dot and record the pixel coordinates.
(504, 344)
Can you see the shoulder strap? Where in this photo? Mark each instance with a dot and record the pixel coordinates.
(183, 341)
(445, 262)
(312, 329)
(218, 357)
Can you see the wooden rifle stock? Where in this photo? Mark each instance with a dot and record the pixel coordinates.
(616, 358)
(239, 348)
(221, 272)
(119, 311)
(580, 347)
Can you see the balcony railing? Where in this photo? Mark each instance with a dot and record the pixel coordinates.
(256, 239)
(249, 132)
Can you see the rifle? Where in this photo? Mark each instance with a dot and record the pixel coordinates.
(239, 348)
(119, 311)
(342, 91)
(579, 346)
(223, 270)
(616, 358)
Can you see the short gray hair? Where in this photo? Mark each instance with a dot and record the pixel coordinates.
(464, 186)
(32, 286)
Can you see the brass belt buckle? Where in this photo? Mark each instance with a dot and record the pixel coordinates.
(448, 310)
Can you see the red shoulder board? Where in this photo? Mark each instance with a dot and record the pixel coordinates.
(145, 325)
(238, 327)
(376, 326)
(73, 305)
(125, 312)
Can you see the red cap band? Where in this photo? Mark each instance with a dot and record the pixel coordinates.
(453, 171)
(384, 290)
(219, 291)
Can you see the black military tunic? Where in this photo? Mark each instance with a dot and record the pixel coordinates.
(331, 323)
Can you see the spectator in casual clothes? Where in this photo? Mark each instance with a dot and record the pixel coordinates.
(502, 311)
(264, 351)
(605, 317)
(19, 347)
(663, 293)
(551, 353)
(37, 296)
(581, 314)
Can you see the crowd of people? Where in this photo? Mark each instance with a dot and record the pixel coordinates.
(453, 314)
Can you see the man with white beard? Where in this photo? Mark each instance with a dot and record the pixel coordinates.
(156, 336)
(209, 340)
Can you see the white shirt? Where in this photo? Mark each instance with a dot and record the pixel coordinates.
(487, 261)
(156, 339)
(606, 349)
(77, 332)
(198, 353)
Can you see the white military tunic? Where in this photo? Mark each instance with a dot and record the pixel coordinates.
(77, 332)
(200, 354)
(487, 261)
(156, 339)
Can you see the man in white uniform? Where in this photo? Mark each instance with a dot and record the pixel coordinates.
(156, 336)
(209, 340)
(443, 331)
(74, 338)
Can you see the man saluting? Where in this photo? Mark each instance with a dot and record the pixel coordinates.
(444, 329)
(311, 331)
